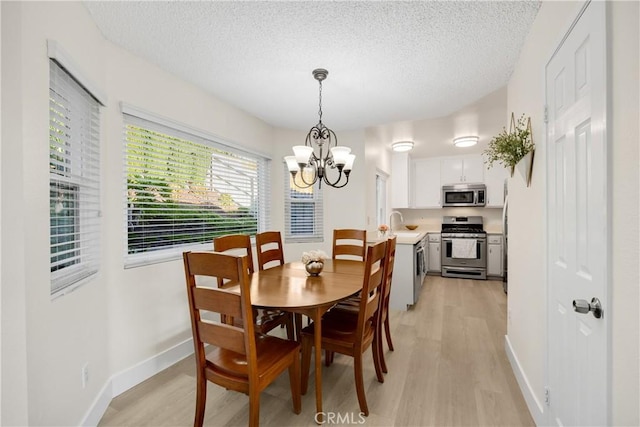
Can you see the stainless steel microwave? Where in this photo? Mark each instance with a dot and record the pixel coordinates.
(464, 195)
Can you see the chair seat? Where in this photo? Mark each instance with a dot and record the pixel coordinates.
(269, 351)
(264, 319)
(340, 326)
(351, 304)
(267, 316)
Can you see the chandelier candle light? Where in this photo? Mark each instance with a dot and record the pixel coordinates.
(306, 161)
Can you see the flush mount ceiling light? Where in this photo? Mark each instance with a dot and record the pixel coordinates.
(465, 141)
(402, 146)
(306, 161)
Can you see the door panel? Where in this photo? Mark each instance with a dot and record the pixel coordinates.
(577, 228)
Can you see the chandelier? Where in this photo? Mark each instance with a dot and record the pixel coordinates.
(314, 167)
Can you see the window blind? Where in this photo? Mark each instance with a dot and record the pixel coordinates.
(74, 180)
(184, 189)
(303, 210)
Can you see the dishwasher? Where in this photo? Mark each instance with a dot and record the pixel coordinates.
(420, 266)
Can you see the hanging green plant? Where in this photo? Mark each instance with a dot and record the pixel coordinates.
(508, 148)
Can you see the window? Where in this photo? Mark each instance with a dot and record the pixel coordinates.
(183, 189)
(74, 180)
(303, 211)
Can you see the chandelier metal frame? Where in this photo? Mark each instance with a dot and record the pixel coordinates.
(335, 157)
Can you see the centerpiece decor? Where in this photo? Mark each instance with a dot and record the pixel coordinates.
(314, 261)
(383, 229)
(509, 148)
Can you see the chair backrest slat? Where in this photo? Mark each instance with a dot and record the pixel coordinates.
(269, 248)
(220, 301)
(390, 261)
(222, 335)
(372, 286)
(349, 242)
(238, 244)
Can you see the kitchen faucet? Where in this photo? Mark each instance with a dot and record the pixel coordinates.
(391, 220)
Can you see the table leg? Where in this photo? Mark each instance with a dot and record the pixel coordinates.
(318, 360)
(297, 320)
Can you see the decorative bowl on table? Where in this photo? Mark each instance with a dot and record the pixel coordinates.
(411, 227)
(314, 261)
(314, 268)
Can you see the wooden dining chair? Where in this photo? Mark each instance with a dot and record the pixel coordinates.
(352, 305)
(237, 357)
(349, 243)
(269, 249)
(265, 319)
(351, 335)
(383, 320)
(270, 253)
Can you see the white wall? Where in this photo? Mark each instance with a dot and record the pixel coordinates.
(434, 137)
(49, 340)
(624, 47)
(378, 159)
(122, 317)
(147, 305)
(527, 248)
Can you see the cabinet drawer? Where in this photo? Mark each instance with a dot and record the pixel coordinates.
(495, 238)
(434, 237)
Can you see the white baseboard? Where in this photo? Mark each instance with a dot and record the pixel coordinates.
(130, 377)
(536, 408)
(124, 380)
(98, 407)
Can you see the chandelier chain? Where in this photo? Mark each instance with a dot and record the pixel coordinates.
(320, 102)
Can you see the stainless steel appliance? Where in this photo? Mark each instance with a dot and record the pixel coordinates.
(420, 266)
(464, 247)
(464, 195)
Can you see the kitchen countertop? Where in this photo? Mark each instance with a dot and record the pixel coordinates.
(404, 235)
(405, 239)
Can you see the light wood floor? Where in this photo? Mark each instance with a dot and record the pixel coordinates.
(449, 368)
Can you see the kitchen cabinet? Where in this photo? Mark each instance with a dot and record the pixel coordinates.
(434, 252)
(400, 180)
(494, 255)
(427, 190)
(494, 179)
(462, 169)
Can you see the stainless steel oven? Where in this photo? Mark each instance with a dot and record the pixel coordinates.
(464, 247)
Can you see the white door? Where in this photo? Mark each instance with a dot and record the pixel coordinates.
(577, 223)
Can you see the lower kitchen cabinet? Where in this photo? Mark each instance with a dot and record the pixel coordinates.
(494, 255)
(434, 251)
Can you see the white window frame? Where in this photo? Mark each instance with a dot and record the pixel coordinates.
(292, 235)
(140, 117)
(74, 173)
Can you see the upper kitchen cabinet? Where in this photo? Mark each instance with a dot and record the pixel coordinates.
(426, 183)
(494, 179)
(462, 169)
(400, 180)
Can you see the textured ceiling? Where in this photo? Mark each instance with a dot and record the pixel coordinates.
(387, 61)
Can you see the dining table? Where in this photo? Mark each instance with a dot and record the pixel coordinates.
(289, 287)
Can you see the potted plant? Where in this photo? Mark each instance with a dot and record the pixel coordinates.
(508, 148)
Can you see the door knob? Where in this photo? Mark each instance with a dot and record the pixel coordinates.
(582, 306)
